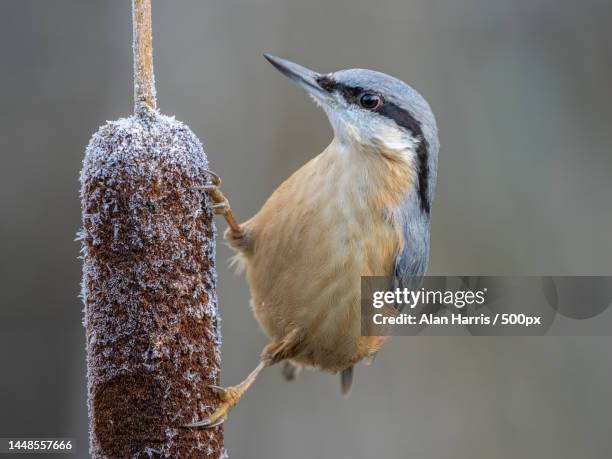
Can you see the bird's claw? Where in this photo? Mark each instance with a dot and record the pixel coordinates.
(214, 186)
(208, 422)
(229, 398)
(216, 180)
(220, 208)
(204, 188)
(220, 203)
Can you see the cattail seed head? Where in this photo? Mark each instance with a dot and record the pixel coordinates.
(149, 290)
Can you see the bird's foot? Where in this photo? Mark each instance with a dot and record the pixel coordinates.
(221, 204)
(228, 397)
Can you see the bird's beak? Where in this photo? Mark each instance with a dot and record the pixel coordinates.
(306, 78)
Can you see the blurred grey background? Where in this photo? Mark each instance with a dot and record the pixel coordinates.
(522, 93)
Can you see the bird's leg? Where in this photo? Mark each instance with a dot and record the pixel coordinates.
(221, 204)
(230, 396)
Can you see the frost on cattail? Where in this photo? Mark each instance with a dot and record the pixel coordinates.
(148, 288)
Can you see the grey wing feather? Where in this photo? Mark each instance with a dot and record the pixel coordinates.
(411, 261)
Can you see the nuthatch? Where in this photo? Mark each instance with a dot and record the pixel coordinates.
(360, 208)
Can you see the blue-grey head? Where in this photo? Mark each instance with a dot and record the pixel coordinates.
(372, 111)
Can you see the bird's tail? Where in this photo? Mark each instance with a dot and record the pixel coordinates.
(290, 370)
(346, 381)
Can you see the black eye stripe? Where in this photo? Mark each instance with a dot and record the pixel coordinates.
(350, 93)
(402, 118)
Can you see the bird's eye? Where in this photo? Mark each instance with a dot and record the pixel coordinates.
(370, 101)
